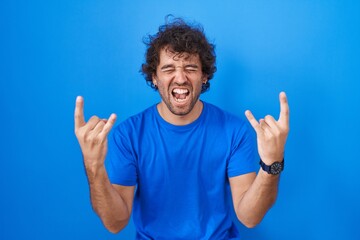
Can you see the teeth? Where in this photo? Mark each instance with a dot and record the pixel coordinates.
(180, 91)
(180, 100)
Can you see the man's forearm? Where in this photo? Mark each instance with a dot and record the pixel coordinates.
(258, 199)
(107, 202)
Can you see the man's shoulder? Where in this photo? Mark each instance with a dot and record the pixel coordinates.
(136, 120)
(146, 113)
(219, 114)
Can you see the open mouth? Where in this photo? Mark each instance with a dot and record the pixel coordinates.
(180, 94)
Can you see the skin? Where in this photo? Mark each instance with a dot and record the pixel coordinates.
(179, 72)
(113, 203)
(252, 194)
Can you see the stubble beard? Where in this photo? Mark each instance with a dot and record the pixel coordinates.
(180, 111)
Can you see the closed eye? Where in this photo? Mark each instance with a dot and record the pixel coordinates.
(168, 69)
(191, 68)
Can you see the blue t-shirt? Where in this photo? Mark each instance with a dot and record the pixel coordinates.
(181, 172)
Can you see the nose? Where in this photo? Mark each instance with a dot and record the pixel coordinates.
(180, 76)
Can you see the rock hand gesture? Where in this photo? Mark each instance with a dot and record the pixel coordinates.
(92, 136)
(272, 134)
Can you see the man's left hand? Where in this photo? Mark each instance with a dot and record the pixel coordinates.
(272, 134)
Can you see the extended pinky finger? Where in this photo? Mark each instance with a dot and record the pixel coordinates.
(109, 124)
(252, 120)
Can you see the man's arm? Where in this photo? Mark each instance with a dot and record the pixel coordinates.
(254, 195)
(113, 203)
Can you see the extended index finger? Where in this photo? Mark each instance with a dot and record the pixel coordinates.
(284, 109)
(79, 112)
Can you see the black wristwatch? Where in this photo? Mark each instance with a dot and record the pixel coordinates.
(274, 169)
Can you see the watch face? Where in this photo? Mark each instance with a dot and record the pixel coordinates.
(276, 168)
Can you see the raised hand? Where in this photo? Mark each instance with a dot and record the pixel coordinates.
(92, 136)
(272, 134)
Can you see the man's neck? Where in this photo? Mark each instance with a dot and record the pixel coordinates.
(180, 120)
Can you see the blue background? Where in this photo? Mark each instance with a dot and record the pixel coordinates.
(52, 51)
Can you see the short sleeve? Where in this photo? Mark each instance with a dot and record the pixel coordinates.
(243, 153)
(120, 160)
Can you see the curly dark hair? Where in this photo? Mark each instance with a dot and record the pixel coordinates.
(180, 37)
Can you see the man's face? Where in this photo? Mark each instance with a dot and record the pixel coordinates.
(179, 79)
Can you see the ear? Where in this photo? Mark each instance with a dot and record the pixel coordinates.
(154, 79)
(204, 79)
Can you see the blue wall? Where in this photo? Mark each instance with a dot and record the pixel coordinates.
(52, 51)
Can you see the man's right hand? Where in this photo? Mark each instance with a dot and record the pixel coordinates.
(92, 137)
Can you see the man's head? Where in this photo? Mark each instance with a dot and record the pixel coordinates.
(179, 38)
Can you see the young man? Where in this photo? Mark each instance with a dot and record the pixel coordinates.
(182, 154)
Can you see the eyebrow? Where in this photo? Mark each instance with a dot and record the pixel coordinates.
(167, 66)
